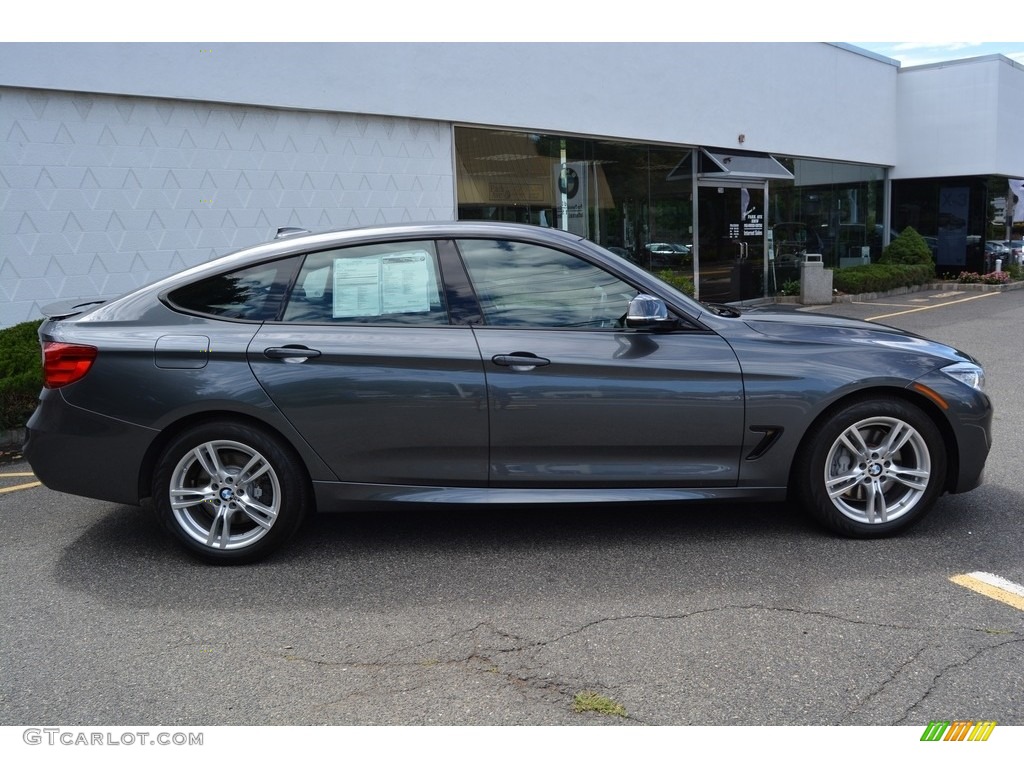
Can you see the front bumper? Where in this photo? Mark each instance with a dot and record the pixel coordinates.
(969, 435)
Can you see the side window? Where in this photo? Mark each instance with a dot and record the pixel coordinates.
(253, 293)
(522, 284)
(379, 284)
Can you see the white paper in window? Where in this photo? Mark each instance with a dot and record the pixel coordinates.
(405, 282)
(357, 287)
(370, 286)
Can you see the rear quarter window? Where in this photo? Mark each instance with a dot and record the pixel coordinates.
(253, 293)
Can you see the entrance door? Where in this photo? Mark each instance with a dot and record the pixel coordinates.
(731, 241)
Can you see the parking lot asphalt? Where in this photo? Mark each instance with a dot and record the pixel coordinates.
(744, 615)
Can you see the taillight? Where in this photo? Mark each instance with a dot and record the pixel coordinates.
(65, 363)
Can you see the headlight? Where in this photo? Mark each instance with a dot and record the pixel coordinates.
(970, 374)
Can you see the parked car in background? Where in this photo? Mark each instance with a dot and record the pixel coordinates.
(996, 251)
(477, 363)
(667, 254)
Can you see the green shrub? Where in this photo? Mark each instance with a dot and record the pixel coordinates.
(21, 373)
(1015, 271)
(790, 288)
(907, 248)
(870, 278)
(678, 280)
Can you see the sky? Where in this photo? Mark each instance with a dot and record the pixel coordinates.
(912, 54)
(564, 21)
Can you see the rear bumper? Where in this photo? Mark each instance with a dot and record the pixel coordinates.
(76, 451)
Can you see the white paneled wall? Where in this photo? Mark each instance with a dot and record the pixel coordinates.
(101, 194)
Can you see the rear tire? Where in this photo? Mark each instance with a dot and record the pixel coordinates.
(230, 493)
(871, 469)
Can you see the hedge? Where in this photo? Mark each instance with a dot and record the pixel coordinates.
(21, 373)
(678, 280)
(870, 278)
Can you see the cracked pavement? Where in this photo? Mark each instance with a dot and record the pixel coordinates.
(750, 617)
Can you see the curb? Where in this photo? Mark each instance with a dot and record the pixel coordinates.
(853, 297)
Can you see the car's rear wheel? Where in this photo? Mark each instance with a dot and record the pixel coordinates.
(872, 468)
(229, 492)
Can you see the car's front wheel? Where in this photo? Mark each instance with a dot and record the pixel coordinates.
(873, 468)
(229, 492)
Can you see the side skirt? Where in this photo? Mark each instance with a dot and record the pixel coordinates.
(335, 497)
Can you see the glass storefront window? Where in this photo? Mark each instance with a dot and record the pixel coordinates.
(633, 199)
(835, 209)
(638, 201)
(956, 217)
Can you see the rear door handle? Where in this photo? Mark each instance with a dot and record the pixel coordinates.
(520, 361)
(291, 354)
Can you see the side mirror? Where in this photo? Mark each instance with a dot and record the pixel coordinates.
(648, 312)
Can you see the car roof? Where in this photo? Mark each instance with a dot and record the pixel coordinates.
(292, 244)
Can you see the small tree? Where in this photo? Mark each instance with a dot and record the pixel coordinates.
(908, 248)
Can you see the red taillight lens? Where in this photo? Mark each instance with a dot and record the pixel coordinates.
(65, 363)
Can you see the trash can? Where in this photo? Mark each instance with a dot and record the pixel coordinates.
(815, 280)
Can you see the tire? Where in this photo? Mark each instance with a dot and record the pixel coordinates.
(871, 469)
(230, 493)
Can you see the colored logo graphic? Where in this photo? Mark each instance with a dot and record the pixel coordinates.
(958, 730)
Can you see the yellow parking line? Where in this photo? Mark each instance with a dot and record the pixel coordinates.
(935, 306)
(993, 586)
(16, 474)
(22, 487)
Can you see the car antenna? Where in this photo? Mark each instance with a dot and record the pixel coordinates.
(289, 231)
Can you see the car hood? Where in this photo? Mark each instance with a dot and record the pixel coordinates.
(771, 319)
(830, 329)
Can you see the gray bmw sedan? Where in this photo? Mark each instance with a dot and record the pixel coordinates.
(483, 363)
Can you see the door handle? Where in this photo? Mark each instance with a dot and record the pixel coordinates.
(520, 361)
(291, 354)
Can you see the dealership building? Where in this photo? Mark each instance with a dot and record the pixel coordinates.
(121, 163)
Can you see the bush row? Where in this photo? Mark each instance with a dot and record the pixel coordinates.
(21, 373)
(870, 278)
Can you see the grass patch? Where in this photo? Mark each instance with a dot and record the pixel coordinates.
(591, 701)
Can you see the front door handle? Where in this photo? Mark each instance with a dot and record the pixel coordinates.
(520, 361)
(291, 354)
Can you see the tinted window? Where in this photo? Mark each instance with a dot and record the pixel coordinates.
(530, 285)
(253, 293)
(385, 284)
